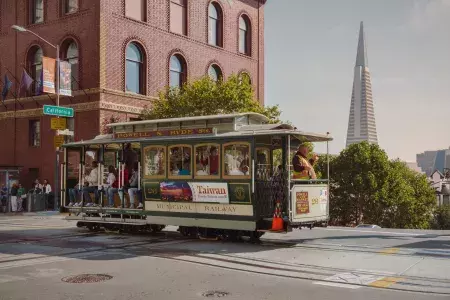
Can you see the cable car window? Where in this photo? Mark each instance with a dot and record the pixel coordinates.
(180, 161)
(207, 160)
(236, 160)
(154, 165)
(263, 165)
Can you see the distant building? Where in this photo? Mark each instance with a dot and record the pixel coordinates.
(413, 166)
(441, 183)
(431, 161)
(361, 122)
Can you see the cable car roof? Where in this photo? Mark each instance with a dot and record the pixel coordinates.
(244, 131)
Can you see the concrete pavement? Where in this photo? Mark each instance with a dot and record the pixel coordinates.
(37, 252)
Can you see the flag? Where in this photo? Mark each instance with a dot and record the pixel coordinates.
(25, 83)
(39, 86)
(6, 87)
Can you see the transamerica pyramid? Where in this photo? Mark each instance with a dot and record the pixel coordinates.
(361, 122)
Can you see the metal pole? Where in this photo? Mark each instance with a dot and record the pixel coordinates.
(56, 134)
(289, 176)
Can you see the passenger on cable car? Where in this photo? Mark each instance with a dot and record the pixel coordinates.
(244, 165)
(304, 168)
(114, 189)
(130, 157)
(92, 180)
(111, 183)
(209, 158)
(133, 189)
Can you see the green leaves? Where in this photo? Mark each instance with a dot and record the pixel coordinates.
(206, 97)
(366, 187)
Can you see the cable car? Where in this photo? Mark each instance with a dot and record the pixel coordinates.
(223, 175)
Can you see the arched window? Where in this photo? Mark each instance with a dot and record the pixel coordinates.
(177, 71)
(244, 35)
(71, 56)
(215, 73)
(215, 25)
(245, 77)
(134, 73)
(35, 68)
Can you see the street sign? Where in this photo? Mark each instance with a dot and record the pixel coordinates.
(59, 111)
(65, 132)
(58, 123)
(58, 140)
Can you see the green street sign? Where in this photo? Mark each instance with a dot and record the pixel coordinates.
(58, 111)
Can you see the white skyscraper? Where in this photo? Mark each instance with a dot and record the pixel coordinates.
(361, 122)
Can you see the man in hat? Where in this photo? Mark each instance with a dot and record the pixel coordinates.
(304, 167)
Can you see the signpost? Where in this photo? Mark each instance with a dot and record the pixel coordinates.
(58, 140)
(59, 111)
(58, 123)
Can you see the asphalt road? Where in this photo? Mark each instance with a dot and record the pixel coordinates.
(38, 253)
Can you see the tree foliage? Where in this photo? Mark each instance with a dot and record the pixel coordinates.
(207, 97)
(441, 218)
(366, 187)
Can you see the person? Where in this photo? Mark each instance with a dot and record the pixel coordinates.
(73, 195)
(130, 157)
(304, 168)
(48, 195)
(111, 183)
(3, 195)
(133, 189)
(115, 189)
(21, 198)
(13, 192)
(92, 185)
(36, 187)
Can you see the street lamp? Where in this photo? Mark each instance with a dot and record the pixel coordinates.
(23, 29)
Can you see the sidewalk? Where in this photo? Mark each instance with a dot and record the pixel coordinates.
(33, 214)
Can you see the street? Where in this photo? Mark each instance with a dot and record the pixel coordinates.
(39, 254)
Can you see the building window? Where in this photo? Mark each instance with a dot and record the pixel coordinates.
(215, 73)
(71, 56)
(177, 71)
(154, 158)
(70, 6)
(244, 35)
(36, 11)
(178, 16)
(180, 161)
(215, 25)
(245, 77)
(134, 69)
(35, 133)
(35, 68)
(136, 9)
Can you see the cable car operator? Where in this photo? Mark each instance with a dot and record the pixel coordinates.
(304, 168)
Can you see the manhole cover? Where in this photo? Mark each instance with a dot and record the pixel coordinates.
(86, 278)
(215, 294)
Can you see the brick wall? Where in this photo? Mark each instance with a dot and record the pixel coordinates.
(102, 32)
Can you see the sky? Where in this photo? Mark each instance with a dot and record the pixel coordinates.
(310, 53)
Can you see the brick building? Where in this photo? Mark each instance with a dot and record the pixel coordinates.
(122, 53)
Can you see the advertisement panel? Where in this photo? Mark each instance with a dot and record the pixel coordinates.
(65, 78)
(309, 202)
(48, 67)
(205, 192)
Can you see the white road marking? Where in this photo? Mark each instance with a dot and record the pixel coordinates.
(372, 232)
(335, 284)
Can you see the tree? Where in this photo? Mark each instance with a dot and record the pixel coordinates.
(207, 97)
(441, 218)
(368, 188)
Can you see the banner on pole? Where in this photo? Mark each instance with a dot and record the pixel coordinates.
(65, 78)
(48, 65)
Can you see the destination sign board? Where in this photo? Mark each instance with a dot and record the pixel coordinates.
(161, 133)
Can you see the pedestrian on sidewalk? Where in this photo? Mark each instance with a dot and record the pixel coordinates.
(48, 194)
(14, 190)
(21, 198)
(3, 197)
